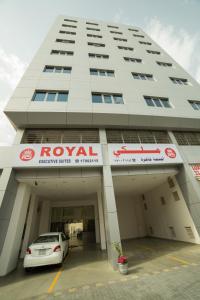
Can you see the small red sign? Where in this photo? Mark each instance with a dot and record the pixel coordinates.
(171, 153)
(27, 154)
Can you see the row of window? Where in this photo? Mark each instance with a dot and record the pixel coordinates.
(96, 24)
(106, 56)
(121, 136)
(103, 45)
(107, 98)
(100, 36)
(111, 73)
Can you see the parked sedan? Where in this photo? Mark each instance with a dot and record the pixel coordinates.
(48, 249)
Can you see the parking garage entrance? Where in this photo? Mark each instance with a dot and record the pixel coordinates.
(150, 203)
(77, 222)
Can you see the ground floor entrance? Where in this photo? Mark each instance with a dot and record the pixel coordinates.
(98, 208)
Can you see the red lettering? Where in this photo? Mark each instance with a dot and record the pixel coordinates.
(70, 150)
(45, 151)
(91, 153)
(81, 151)
(58, 151)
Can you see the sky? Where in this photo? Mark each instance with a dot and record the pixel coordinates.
(173, 24)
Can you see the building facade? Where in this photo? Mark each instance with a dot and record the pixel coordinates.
(107, 134)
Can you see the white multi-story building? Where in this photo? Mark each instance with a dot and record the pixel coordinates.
(108, 136)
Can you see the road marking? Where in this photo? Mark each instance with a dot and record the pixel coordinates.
(50, 289)
(166, 270)
(134, 277)
(123, 279)
(111, 282)
(55, 280)
(72, 290)
(99, 284)
(179, 260)
(86, 287)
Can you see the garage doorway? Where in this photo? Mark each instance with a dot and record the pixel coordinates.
(78, 222)
(150, 204)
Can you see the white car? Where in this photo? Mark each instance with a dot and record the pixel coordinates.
(48, 249)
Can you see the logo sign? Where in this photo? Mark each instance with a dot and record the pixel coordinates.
(196, 170)
(48, 155)
(146, 154)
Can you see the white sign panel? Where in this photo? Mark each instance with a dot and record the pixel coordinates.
(58, 155)
(145, 154)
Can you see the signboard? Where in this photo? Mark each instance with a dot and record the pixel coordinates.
(143, 154)
(58, 155)
(196, 170)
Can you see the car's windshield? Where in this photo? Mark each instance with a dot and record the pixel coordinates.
(47, 239)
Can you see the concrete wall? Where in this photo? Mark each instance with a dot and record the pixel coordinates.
(173, 214)
(79, 110)
(130, 217)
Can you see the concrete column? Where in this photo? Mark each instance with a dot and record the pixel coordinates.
(5, 177)
(101, 221)
(11, 247)
(18, 136)
(110, 209)
(45, 217)
(96, 218)
(28, 225)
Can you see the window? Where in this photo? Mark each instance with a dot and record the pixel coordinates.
(143, 76)
(111, 26)
(187, 138)
(100, 72)
(138, 35)
(195, 104)
(170, 182)
(57, 69)
(96, 44)
(189, 232)
(135, 60)
(116, 32)
(164, 64)
(51, 96)
(62, 52)
(151, 230)
(118, 39)
(162, 200)
(180, 81)
(69, 26)
(95, 36)
(125, 48)
(68, 20)
(157, 102)
(132, 136)
(172, 231)
(145, 43)
(176, 196)
(131, 29)
(94, 55)
(153, 52)
(89, 23)
(78, 135)
(65, 41)
(67, 32)
(107, 98)
(94, 29)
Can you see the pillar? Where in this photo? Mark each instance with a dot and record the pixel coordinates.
(110, 209)
(10, 252)
(101, 221)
